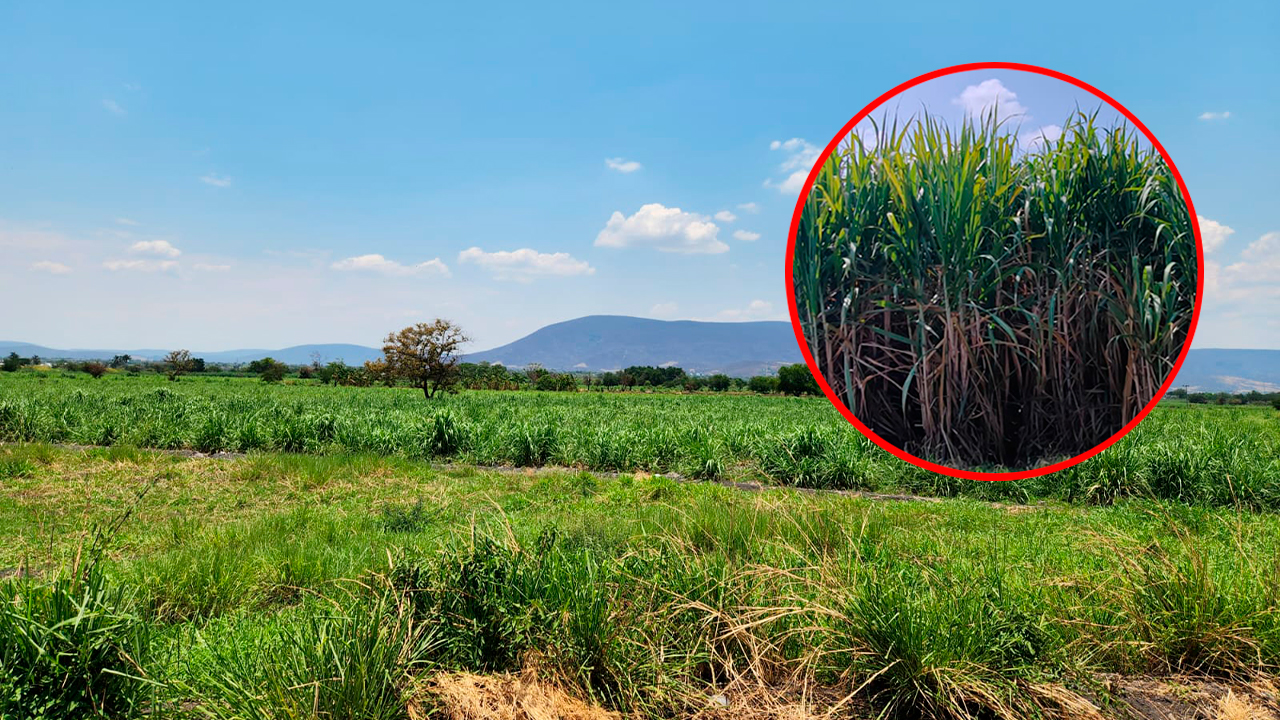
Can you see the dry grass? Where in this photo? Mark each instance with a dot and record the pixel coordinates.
(1235, 707)
(467, 696)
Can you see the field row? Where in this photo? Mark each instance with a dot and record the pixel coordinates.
(1214, 455)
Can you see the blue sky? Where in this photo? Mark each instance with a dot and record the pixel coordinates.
(236, 175)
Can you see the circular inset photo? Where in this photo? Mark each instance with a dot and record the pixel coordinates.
(994, 271)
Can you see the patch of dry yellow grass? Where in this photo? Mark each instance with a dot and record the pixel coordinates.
(465, 696)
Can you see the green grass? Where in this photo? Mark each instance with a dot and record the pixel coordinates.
(1222, 456)
(273, 585)
(72, 646)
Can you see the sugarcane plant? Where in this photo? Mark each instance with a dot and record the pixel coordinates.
(979, 299)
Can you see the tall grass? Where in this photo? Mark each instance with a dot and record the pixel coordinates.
(351, 660)
(641, 594)
(977, 303)
(72, 646)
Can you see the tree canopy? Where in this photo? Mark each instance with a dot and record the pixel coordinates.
(425, 355)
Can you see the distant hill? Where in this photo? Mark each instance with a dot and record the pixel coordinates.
(612, 342)
(296, 355)
(1212, 370)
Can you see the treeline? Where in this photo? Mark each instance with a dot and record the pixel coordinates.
(1253, 397)
(97, 368)
(790, 380)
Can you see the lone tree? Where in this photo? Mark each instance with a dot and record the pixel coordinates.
(179, 362)
(425, 355)
(95, 369)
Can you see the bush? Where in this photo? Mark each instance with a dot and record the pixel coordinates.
(353, 663)
(95, 369)
(70, 648)
(556, 382)
(492, 604)
(408, 518)
(270, 369)
(797, 380)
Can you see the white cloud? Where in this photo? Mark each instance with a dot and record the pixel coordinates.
(725, 216)
(141, 265)
(1208, 116)
(794, 182)
(211, 268)
(622, 165)
(113, 107)
(989, 95)
(155, 247)
(379, 264)
(664, 229)
(216, 180)
(126, 221)
(755, 310)
(664, 310)
(800, 157)
(525, 264)
(1040, 137)
(1254, 275)
(1212, 271)
(50, 266)
(749, 207)
(1266, 247)
(746, 235)
(800, 153)
(1213, 234)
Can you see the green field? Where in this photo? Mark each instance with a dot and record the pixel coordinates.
(332, 572)
(1191, 453)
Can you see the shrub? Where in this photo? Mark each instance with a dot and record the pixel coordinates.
(269, 369)
(408, 518)
(352, 662)
(71, 647)
(493, 603)
(797, 380)
(556, 382)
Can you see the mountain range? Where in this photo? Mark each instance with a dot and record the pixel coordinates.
(296, 355)
(1216, 370)
(611, 342)
(595, 342)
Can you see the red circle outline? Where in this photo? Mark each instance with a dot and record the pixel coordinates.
(813, 366)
